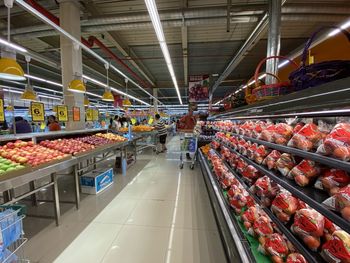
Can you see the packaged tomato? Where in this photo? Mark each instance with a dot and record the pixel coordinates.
(298, 127)
(260, 154)
(266, 189)
(285, 163)
(329, 228)
(239, 200)
(304, 172)
(250, 174)
(242, 146)
(228, 181)
(276, 246)
(241, 165)
(258, 128)
(250, 215)
(284, 206)
(251, 150)
(233, 142)
(267, 133)
(262, 226)
(306, 138)
(332, 180)
(340, 202)
(225, 153)
(337, 143)
(233, 160)
(337, 249)
(233, 189)
(271, 159)
(309, 226)
(283, 133)
(215, 145)
(295, 258)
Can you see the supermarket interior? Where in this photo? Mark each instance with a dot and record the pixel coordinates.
(175, 131)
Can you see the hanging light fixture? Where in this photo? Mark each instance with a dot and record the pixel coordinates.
(77, 85)
(107, 95)
(9, 68)
(126, 101)
(86, 101)
(28, 93)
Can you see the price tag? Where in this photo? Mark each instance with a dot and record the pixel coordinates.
(62, 113)
(89, 114)
(95, 115)
(2, 113)
(38, 111)
(150, 121)
(133, 121)
(76, 114)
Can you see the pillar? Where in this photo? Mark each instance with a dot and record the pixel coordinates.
(155, 102)
(274, 38)
(71, 61)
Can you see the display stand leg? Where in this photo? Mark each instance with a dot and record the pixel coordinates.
(7, 196)
(56, 198)
(76, 185)
(94, 160)
(124, 164)
(33, 196)
(135, 149)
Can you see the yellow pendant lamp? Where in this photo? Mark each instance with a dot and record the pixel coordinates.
(9, 68)
(28, 94)
(127, 103)
(77, 86)
(86, 101)
(107, 95)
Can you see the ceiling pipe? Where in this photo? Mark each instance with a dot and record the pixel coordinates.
(90, 42)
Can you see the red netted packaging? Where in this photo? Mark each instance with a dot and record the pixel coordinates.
(242, 146)
(282, 134)
(332, 180)
(307, 138)
(305, 172)
(275, 246)
(284, 206)
(251, 150)
(340, 202)
(267, 133)
(260, 154)
(262, 226)
(250, 215)
(295, 258)
(266, 189)
(309, 225)
(250, 174)
(239, 200)
(259, 127)
(228, 181)
(337, 142)
(241, 165)
(285, 163)
(337, 249)
(271, 159)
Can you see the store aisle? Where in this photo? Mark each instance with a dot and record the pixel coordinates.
(162, 215)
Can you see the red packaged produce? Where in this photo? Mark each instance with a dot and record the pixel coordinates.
(233, 189)
(271, 159)
(306, 138)
(260, 154)
(266, 189)
(342, 202)
(242, 146)
(285, 163)
(250, 173)
(284, 206)
(298, 127)
(309, 226)
(267, 133)
(233, 160)
(337, 143)
(329, 228)
(262, 226)
(283, 133)
(228, 181)
(304, 172)
(296, 258)
(241, 165)
(334, 179)
(276, 246)
(337, 249)
(250, 215)
(259, 127)
(234, 142)
(251, 150)
(239, 200)
(215, 145)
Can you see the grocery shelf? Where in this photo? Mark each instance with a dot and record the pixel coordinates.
(311, 196)
(236, 246)
(311, 257)
(308, 155)
(318, 101)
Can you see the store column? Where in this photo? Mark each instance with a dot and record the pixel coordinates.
(274, 39)
(155, 102)
(71, 61)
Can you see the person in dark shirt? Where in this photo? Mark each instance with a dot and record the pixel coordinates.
(22, 126)
(52, 124)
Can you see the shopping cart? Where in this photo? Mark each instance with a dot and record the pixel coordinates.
(11, 234)
(188, 144)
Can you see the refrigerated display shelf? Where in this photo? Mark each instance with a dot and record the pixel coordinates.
(311, 257)
(311, 196)
(308, 155)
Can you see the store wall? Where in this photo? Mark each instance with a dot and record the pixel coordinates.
(334, 48)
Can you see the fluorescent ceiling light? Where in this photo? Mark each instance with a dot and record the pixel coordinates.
(12, 45)
(43, 80)
(153, 13)
(336, 31)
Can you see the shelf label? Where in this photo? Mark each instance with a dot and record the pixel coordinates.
(62, 113)
(89, 114)
(38, 111)
(76, 114)
(2, 114)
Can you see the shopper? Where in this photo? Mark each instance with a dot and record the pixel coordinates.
(144, 122)
(22, 125)
(53, 124)
(162, 132)
(116, 123)
(188, 122)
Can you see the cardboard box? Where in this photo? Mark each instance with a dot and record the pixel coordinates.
(96, 181)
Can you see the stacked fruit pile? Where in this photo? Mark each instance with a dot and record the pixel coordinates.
(94, 140)
(142, 128)
(70, 146)
(30, 153)
(112, 137)
(7, 166)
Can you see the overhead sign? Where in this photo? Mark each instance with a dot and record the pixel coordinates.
(76, 114)
(38, 111)
(198, 88)
(95, 115)
(89, 114)
(62, 113)
(2, 113)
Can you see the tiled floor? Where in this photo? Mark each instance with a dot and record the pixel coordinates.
(161, 215)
